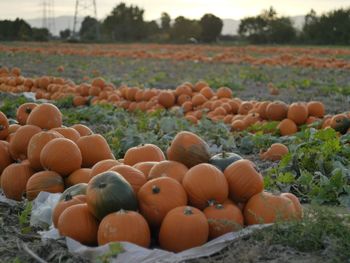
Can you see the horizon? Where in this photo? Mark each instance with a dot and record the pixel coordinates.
(193, 10)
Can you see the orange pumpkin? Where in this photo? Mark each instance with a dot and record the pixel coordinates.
(188, 149)
(145, 167)
(224, 92)
(82, 175)
(204, 183)
(287, 127)
(134, 176)
(94, 148)
(68, 133)
(298, 112)
(170, 169)
(4, 126)
(244, 180)
(103, 166)
(5, 157)
(128, 226)
(78, 223)
(183, 228)
(14, 179)
(64, 204)
(223, 218)
(143, 153)
(275, 153)
(46, 181)
(264, 208)
(19, 142)
(297, 206)
(61, 155)
(158, 196)
(36, 144)
(316, 109)
(23, 112)
(166, 99)
(82, 129)
(46, 116)
(276, 111)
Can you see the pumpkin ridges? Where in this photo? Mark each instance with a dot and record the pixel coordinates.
(78, 223)
(23, 112)
(5, 156)
(276, 152)
(127, 226)
(82, 175)
(143, 153)
(68, 133)
(14, 179)
(134, 176)
(158, 196)
(287, 127)
(297, 206)
(205, 183)
(170, 169)
(4, 126)
(46, 116)
(298, 112)
(183, 228)
(103, 166)
(47, 181)
(64, 204)
(82, 129)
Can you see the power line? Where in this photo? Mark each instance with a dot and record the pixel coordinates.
(84, 8)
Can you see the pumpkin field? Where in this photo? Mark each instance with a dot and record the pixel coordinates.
(169, 147)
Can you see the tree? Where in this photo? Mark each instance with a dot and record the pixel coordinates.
(185, 29)
(41, 34)
(267, 27)
(89, 29)
(65, 34)
(211, 27)
(125, 23)
(165, 21)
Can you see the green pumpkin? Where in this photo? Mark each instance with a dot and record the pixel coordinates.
(342, 125)
(109, 192)
(224, 159)
(77, 189)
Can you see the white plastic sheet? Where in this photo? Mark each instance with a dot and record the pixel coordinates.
(41, 214)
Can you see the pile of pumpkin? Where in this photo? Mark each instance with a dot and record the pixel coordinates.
(195, 101)
(179, 202)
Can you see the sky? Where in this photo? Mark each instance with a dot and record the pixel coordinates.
(235, 9)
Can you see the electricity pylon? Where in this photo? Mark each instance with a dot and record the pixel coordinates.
(84, 8)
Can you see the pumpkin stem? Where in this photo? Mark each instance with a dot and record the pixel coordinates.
(28, 110)
(155, 189)
(219, 206)
(223, 154)
(188, 211)
(102, 185)
(68, 197)
(211, 202)
(2, 127)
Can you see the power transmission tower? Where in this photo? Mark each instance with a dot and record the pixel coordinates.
(48, 18)
(84, 8)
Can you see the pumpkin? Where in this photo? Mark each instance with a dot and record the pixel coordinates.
(109, 192)
(261, 109)
(189, 149)
(36, 144)
(265, 208)
(170, 169)
(23, 112)
(61, 155)
(245, 107)
(127, 226)
(82, 129)
(64, 204)
(68, 133)
(78, 223)
(204, 183)
(223, 218)
(46, 181)
(13, 128)
(287, 127)
(224, 159)
(82, 175)
(166, 99)
(183, 228)
(143, 153)
(275, 153)
(14, 179)
(207, 92)
(77, 189)
(158, 196)
(5, 157)
(316, 109)
(244, 180)
(297, 206)
(238, 125)
(340, 123)
(19, 143)
(103, 166)
(4, 126)
(224, 92)
(134, 176)
(94, 148)
(276, 111)
(298, 112)
(46, 116)
(145, 167)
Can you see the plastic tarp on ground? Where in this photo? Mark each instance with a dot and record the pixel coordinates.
(41, 216)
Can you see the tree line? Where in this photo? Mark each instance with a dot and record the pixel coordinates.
(126, 24)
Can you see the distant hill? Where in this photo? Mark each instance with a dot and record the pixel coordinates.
(64, 22)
